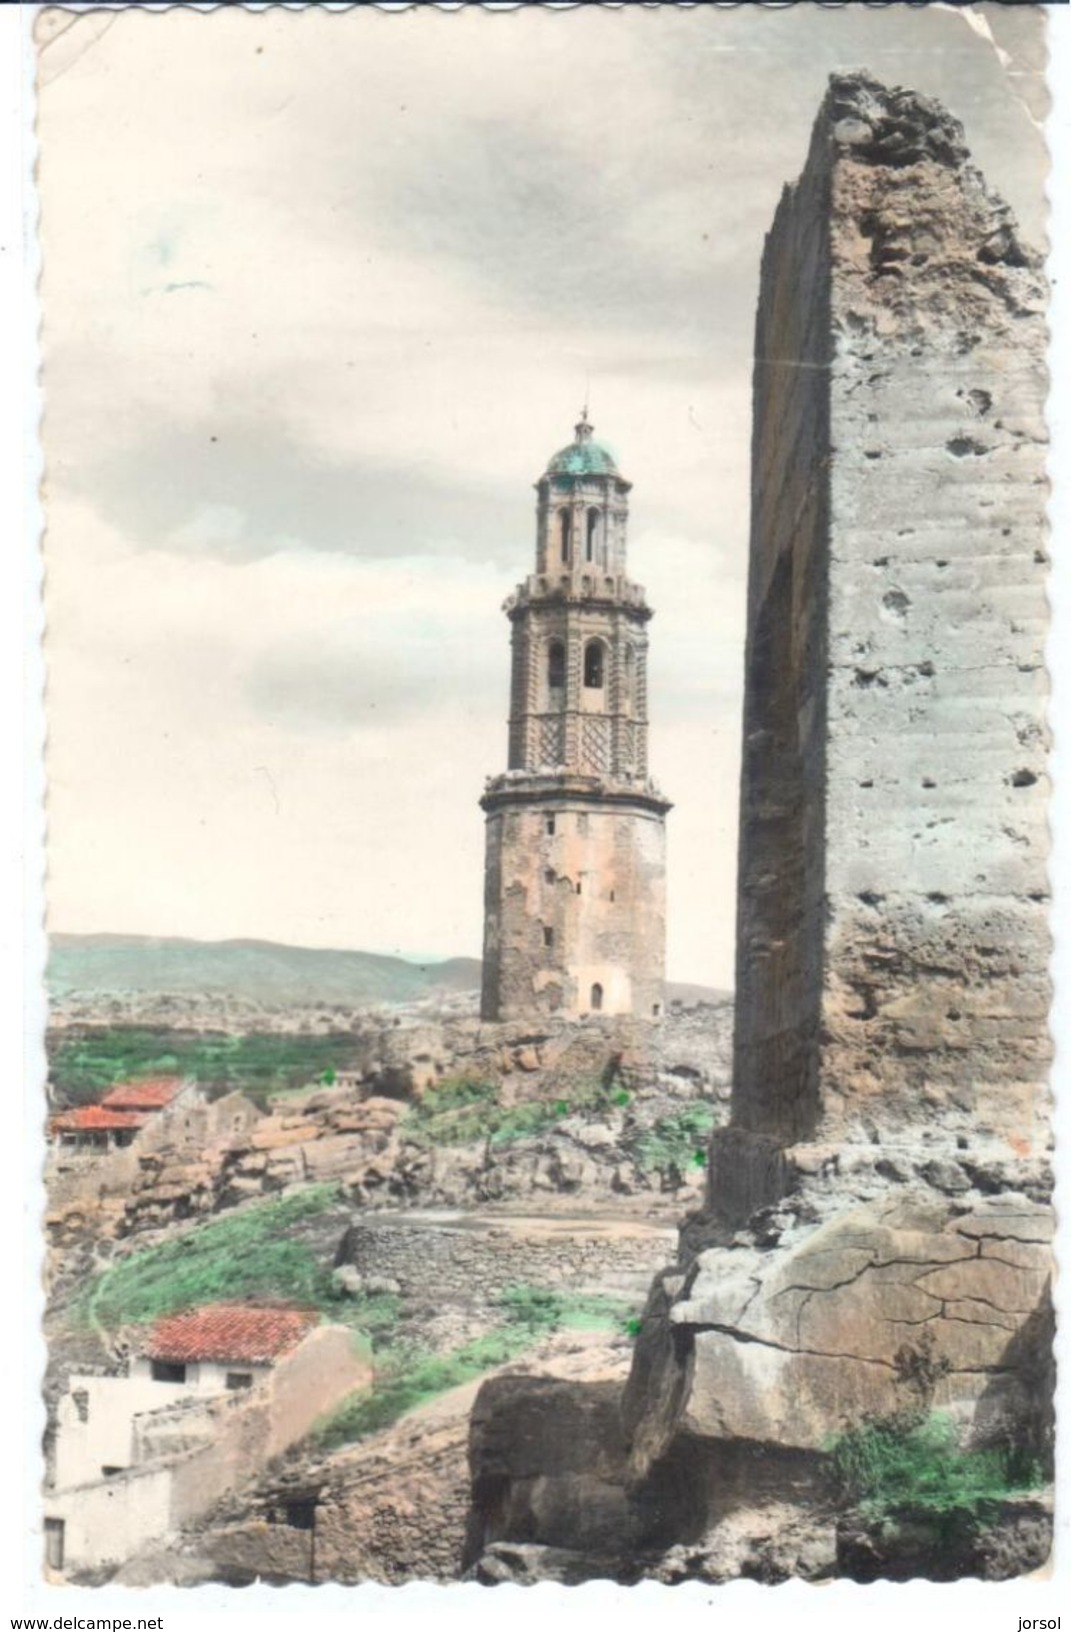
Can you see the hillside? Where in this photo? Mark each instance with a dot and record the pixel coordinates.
(262, 972)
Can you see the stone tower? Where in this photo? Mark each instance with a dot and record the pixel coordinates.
(574, 897)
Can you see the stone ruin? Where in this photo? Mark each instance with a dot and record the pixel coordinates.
(875, 1235)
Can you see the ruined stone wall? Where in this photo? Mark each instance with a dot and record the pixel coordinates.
(596, 887)
(474, 1261)
(893, 896)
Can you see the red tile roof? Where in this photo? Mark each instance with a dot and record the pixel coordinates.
(94, 1118)
(229, 1331)
(145, 1094)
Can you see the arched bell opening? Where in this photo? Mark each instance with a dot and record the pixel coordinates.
(565, 532)
(594, 665)
(592, 535)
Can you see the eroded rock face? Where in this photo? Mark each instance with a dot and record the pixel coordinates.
(550, 1457)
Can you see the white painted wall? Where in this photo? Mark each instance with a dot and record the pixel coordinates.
(105, 1438)
(202, 1376)
(108, 1521)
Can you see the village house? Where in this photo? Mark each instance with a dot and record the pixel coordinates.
(221, 1347)
(209, 1397)
(122, 1112)
(94, 1129)
(143, 1096)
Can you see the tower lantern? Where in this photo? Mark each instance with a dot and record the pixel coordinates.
(574, 903)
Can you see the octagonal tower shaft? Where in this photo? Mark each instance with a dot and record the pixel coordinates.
(575, 871)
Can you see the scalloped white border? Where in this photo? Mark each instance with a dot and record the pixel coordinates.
(886, 1608)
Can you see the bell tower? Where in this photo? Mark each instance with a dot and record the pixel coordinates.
(574, 894)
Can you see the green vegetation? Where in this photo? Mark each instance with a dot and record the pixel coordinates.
(542, 1309)
(250, 1252)
(408, 1376)
(911, 1465)
(676, 1141)
(85, 1062)
(463, 1110)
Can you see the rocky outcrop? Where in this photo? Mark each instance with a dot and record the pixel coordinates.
(629, 1082)
(550, 1461)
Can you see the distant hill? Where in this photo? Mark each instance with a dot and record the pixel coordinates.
(261, 971)
(680, 991)
(264, 972)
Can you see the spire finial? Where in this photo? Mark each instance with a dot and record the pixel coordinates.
(583, 426)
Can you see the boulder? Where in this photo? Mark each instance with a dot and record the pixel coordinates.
(887, 1306)
(548, 1463)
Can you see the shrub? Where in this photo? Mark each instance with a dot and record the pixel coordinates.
(912, 1465)
(374, 1313)
(463, 1111)
(676, 1141)
(454, 1094)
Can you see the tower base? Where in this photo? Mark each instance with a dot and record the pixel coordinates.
(574, 897)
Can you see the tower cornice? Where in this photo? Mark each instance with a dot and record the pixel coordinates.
(629, 600)
(567, 788)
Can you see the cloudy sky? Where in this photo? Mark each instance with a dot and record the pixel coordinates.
(322, 294)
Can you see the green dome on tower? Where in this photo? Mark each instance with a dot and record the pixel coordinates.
(584, 456)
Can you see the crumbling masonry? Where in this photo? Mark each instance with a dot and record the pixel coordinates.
(892, 941)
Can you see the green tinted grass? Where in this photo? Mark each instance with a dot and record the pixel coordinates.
(408, 1376)
(245, 1253)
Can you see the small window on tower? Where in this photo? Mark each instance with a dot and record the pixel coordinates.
(596, 996)
(548, 936)
(549, 876)
(549, 824)
(555, 665)
(593, 665)
(593, 528)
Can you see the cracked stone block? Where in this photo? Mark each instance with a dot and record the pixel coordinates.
(880, 1310)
